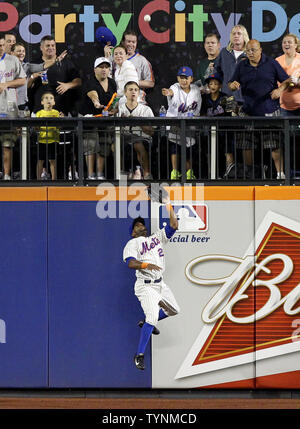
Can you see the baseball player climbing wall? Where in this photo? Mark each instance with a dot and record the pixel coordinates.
(68, 315)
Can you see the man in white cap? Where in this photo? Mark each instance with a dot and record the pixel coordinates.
(99, 93)
(99, 89)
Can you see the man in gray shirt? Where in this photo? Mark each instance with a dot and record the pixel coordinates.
(12, 76)
(18, 50)
(142, 65)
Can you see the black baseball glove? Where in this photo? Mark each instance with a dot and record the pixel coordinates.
(157, 193)
(229, 104)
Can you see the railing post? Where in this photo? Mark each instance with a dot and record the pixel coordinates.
(117, 153)
(183, 149)
(287, 152)
(80, 152)
(213, 151)
(24, 137)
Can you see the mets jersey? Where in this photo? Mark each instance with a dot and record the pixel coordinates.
(10, 69)
(143, 67)
(181, 105)
(149, 249)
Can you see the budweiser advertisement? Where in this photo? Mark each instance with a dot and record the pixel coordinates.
(234, 267)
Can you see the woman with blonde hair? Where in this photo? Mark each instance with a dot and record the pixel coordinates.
(233, 35)
(225, 65)
(290, 62)
(230, 56)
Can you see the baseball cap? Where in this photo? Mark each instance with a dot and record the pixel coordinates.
(185, 71)
(101, 60)
(136, 220)
(216, 76)
(105, 35)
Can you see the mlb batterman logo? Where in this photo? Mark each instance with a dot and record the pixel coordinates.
(250, 317)
(191, 217)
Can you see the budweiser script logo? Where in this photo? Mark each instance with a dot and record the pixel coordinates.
(212, 311)
(251, 316)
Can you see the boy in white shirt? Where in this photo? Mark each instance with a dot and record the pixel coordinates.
(184, 100)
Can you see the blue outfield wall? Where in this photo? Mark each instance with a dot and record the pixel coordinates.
(23, 294)
(93, 312)
(68, 314)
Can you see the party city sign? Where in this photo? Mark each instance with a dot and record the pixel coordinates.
(185, 17)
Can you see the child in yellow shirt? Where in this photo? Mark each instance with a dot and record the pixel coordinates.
(47, 136)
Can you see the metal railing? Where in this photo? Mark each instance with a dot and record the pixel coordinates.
(219, 151)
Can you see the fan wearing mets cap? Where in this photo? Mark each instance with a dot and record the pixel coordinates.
(145, 254)
(184, 99)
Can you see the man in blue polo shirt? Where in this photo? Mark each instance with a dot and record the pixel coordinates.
(258, 78)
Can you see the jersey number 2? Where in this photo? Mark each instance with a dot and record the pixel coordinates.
(161, 252)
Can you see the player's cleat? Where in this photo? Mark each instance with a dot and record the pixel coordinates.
(155, 330)
(175, 175)
(190, 175)
(139, 361)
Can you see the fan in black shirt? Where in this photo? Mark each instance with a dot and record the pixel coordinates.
(98, 93)
(62, 80)
(99, 90)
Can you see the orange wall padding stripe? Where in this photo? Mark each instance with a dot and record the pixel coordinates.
(123, 193)
(24, 194)
(277, 193)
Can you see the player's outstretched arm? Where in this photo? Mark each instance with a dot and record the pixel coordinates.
(138, 265)
(173, 218)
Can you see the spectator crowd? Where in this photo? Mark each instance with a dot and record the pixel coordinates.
(237, 80)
